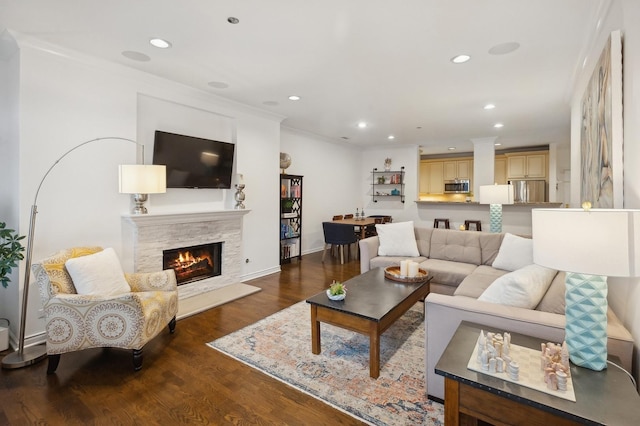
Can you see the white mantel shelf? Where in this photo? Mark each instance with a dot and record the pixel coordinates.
(152, 219)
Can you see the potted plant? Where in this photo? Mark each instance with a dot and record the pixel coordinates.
(10, 252)
(337, 291)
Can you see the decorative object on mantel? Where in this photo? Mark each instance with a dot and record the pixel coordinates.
(590, 245)
(27, 356)
(239, 197)
(337, 291)
(387, 164)
(285, 161)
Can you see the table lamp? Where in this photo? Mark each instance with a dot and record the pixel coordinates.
(140, 180)
(589, 244)
(496, 195)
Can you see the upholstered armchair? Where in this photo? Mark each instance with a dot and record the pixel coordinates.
(125, 320)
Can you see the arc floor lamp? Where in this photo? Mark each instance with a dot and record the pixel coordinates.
(138, 179)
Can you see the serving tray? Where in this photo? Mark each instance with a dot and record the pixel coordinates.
(393, 273)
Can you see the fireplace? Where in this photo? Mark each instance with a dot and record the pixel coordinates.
(194, 263)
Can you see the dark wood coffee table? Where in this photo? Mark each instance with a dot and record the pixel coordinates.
(372, 304)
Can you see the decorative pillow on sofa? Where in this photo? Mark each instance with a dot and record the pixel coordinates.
(523, 288)
(515, 252)
(397, 239)
(98, 274)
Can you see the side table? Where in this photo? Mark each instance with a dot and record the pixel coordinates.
(602, 397)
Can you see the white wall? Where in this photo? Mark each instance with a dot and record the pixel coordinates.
(80, 98)
(332, 173)
(624, 294)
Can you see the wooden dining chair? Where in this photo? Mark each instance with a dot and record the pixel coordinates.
(338, 217)
(348, 216)
(370, 231)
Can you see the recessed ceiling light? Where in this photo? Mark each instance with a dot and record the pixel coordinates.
(497, 144)
(498, 125)
(362, 124)
(232, 20)
(504, 48)
(344, 137)
(218, 84)
(136, 56)
(489, 106)
(419, 127)
(460, 59)
(391, 137)
(294, 98)
(452, 148)
(160, 43)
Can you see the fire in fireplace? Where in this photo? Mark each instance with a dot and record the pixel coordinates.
(194, 263)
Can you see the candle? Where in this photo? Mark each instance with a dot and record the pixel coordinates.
(413, 269)
(403, 267)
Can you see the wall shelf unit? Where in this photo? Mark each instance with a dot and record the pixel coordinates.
(387, 184)
(290, 217)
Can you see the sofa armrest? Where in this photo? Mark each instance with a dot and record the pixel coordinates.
(444, 313)
(153, 281)
(368, 250)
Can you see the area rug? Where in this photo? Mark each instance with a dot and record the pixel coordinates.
(203, 301)
(280, 346)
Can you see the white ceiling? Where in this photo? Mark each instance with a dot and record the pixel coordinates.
(382, 61)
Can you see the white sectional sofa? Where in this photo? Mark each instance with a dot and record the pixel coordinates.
(461, 263)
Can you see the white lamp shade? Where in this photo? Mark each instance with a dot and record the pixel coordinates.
(596, 242)
(142, 179)
(496, 194)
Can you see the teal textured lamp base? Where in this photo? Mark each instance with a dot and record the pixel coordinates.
(495, 218)
(586, 316)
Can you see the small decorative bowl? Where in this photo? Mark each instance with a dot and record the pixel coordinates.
(337, 296)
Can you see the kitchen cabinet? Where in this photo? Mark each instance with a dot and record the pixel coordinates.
(432, 177)
(527, 166)
(457, 169)
(500, 170)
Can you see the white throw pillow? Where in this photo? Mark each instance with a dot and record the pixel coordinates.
(523, 288)
(515, 253)
(98, 274)
(397, 239)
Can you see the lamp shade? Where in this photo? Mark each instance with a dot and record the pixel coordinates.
(496, 194)
(142, 179)
(597, 241)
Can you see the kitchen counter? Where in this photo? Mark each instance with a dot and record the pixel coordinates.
(475, 203)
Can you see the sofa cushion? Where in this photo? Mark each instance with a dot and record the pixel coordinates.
(523, 288)
(397, 239)
(384, 261)
(447, 272)
(423, 240)
(490, 246)
(515, 253)
(456, 246)
(476, 283)
(98, 274)
(554, 300)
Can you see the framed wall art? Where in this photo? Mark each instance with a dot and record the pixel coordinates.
(601, 130)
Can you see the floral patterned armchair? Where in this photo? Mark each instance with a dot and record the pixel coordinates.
(75, 322)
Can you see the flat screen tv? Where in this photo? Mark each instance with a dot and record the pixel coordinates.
(194, 162)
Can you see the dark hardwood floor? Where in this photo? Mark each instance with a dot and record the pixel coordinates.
(182, 380)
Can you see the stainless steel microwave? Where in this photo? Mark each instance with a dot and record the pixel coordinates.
(458, 186)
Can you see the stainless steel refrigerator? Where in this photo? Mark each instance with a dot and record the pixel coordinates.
(529, 191)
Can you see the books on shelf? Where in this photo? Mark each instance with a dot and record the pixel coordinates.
(287, 190)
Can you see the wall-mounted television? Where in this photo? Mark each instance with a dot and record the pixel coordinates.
(194, 162)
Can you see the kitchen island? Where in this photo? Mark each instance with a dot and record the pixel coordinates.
(516, 218)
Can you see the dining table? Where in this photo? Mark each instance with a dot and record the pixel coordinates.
(362, 223)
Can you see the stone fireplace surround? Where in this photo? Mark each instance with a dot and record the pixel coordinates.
(145, 236)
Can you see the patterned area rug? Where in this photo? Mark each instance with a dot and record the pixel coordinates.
(280, 345)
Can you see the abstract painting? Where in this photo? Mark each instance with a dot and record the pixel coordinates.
(601, 130)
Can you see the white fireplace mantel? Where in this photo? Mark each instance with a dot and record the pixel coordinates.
(145, 236)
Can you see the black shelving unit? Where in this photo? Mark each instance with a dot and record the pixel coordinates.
(387, 184)
(290, 218)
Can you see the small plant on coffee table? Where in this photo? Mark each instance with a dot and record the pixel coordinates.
(337, 288)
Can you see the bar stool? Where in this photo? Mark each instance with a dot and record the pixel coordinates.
(473, 222)
(437, 222)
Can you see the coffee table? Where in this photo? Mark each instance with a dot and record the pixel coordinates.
(372, 304)
(602, 397)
